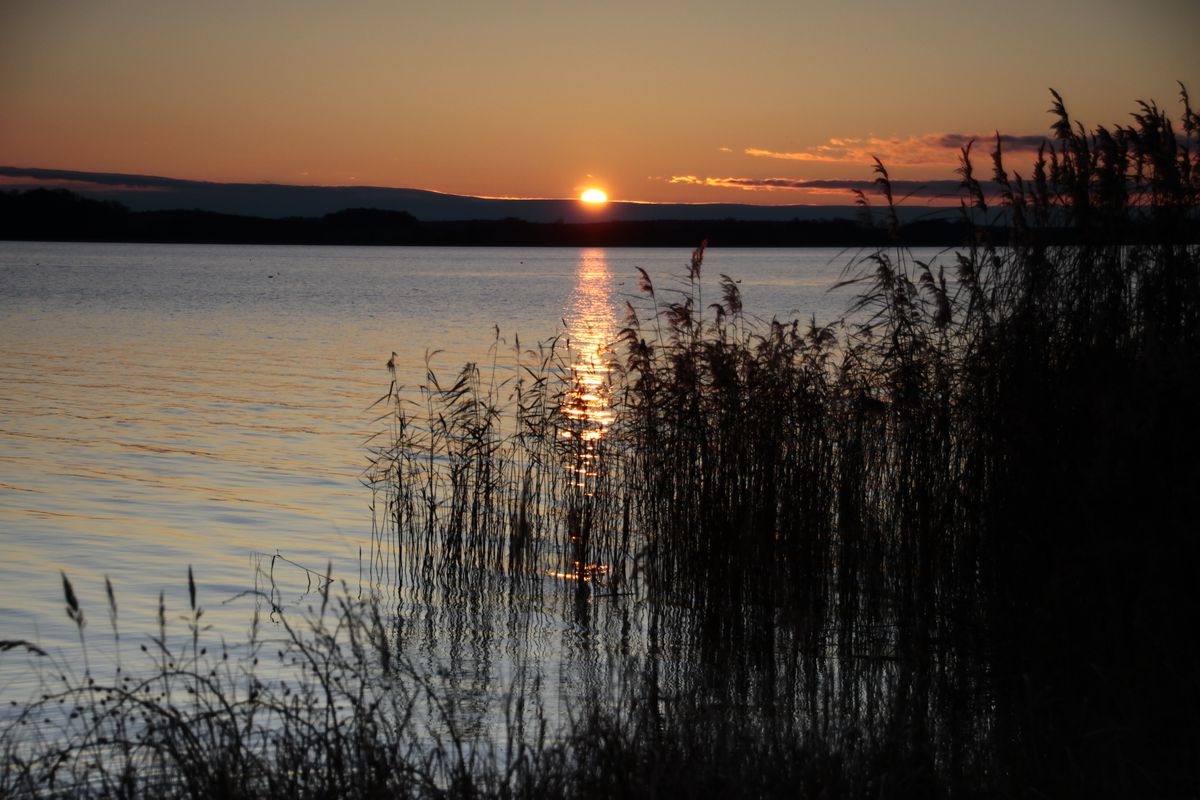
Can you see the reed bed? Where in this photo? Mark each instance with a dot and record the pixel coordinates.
(944, 547)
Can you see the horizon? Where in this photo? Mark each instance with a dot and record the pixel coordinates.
(276, 200)
(14, 177)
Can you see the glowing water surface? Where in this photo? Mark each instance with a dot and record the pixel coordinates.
(167, 405)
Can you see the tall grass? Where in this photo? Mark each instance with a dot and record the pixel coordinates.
(942, 547)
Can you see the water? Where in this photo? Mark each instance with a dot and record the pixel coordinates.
(172, 405)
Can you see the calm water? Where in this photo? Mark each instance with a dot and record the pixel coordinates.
(169, 405)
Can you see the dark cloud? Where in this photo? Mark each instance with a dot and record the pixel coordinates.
(1008, 142)
(100, 178)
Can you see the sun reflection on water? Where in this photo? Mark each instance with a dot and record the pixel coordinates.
(591, 331)
(586, 406)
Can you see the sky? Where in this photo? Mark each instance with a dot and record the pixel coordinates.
(701, 101)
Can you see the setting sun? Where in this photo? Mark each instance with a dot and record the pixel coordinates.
(593, 196)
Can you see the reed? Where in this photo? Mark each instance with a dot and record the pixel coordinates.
(978, 474)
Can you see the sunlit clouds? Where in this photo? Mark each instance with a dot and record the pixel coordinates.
(826, 190)
(922, 166)
(929, 150)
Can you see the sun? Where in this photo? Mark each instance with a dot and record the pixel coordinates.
(595, 196)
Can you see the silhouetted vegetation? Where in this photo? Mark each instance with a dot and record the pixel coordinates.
(58, 214)
(945, 547)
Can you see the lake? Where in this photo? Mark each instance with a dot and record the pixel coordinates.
(173, 405)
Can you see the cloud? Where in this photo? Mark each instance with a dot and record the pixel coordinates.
(933, 149)
(110, 179)
(1029, 142)
(937, 189)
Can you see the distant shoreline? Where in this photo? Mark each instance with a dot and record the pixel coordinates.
(63, 216)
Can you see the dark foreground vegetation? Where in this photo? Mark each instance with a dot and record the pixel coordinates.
(945, 548)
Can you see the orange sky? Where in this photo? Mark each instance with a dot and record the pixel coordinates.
(653, 101)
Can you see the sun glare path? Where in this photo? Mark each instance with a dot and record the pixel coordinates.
(593, 196)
